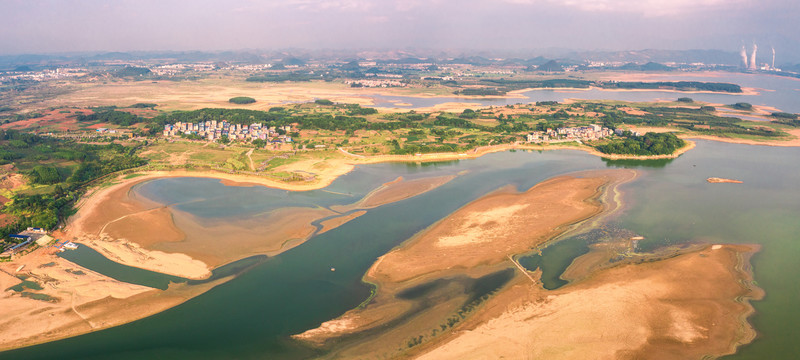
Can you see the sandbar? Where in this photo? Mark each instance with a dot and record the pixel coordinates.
(471, 243)
(716, 180)
(68, 300)
(793, 142)
(396, 190)
(333, 223)
(691, 306)
(687, 304)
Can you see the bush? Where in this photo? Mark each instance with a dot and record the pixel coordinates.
(111, 116)
(468, 114)
(242, 100)
(323, 102)
(685, 99)
(743, 106)
(784, 115)
(131, 71)
(648, 144)
(45, 175)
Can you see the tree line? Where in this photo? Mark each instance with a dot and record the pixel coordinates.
(647, 144)
(64, 165)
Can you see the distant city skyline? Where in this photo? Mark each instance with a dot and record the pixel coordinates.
(50, 26)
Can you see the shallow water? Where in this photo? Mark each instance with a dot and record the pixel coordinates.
(91, 259)
(779, 92)
(252, 315)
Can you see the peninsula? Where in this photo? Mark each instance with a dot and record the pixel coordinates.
(425, 302)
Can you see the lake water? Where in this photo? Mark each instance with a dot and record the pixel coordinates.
(252, 315)
(775, 91)
(271, 298)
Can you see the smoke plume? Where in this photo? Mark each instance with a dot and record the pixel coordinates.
(743, 53)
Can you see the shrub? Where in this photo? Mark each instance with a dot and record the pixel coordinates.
(242, 100)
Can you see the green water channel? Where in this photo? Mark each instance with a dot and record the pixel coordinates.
(252, 315)
(91, 259)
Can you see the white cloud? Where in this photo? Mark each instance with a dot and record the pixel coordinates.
(323, 5)
(377, 19)
(651, 8)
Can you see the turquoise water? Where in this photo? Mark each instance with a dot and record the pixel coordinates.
(252, 315)
(670, 206)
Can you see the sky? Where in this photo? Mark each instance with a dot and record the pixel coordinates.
(52, 26)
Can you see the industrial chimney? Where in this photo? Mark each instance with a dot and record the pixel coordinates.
(773, 58)
(744, 57)
(753, 57)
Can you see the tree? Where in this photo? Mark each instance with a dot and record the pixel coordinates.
(45, 175)
(241, 100)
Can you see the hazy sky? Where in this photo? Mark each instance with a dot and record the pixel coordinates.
(40, 26)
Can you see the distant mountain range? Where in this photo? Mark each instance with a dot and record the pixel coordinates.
(646, 60)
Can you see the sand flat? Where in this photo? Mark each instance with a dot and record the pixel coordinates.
(684, 307)
(471, 243)
(688, 305)
(396, 190)
(487, 230)
(331, 224)
(24, 320)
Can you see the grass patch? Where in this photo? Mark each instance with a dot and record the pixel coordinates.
(40, 297)
(26, 284)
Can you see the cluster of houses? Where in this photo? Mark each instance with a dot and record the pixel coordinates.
(374, 83)
(591, 132)
(21, 241)
(213, 130)
(106, 131)
(43, 75)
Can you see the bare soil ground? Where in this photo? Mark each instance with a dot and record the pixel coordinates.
(73, 300)
(686, 307)
(52, 119)
(487, 230)
(471, 243)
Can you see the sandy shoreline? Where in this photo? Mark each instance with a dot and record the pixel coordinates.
(475, 241)
(795, 142)
(625, 311)
(694, 305)
(137, 232)
(196, 266)
(77, 300)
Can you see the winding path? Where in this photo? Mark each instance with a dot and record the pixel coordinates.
(252, 165)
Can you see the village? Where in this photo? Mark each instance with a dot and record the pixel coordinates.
(21, 243)
(578, 133)
(215, 130)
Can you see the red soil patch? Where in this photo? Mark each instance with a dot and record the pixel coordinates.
(143, 112)
(6, 219)
(100, 125)
(54, 119)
